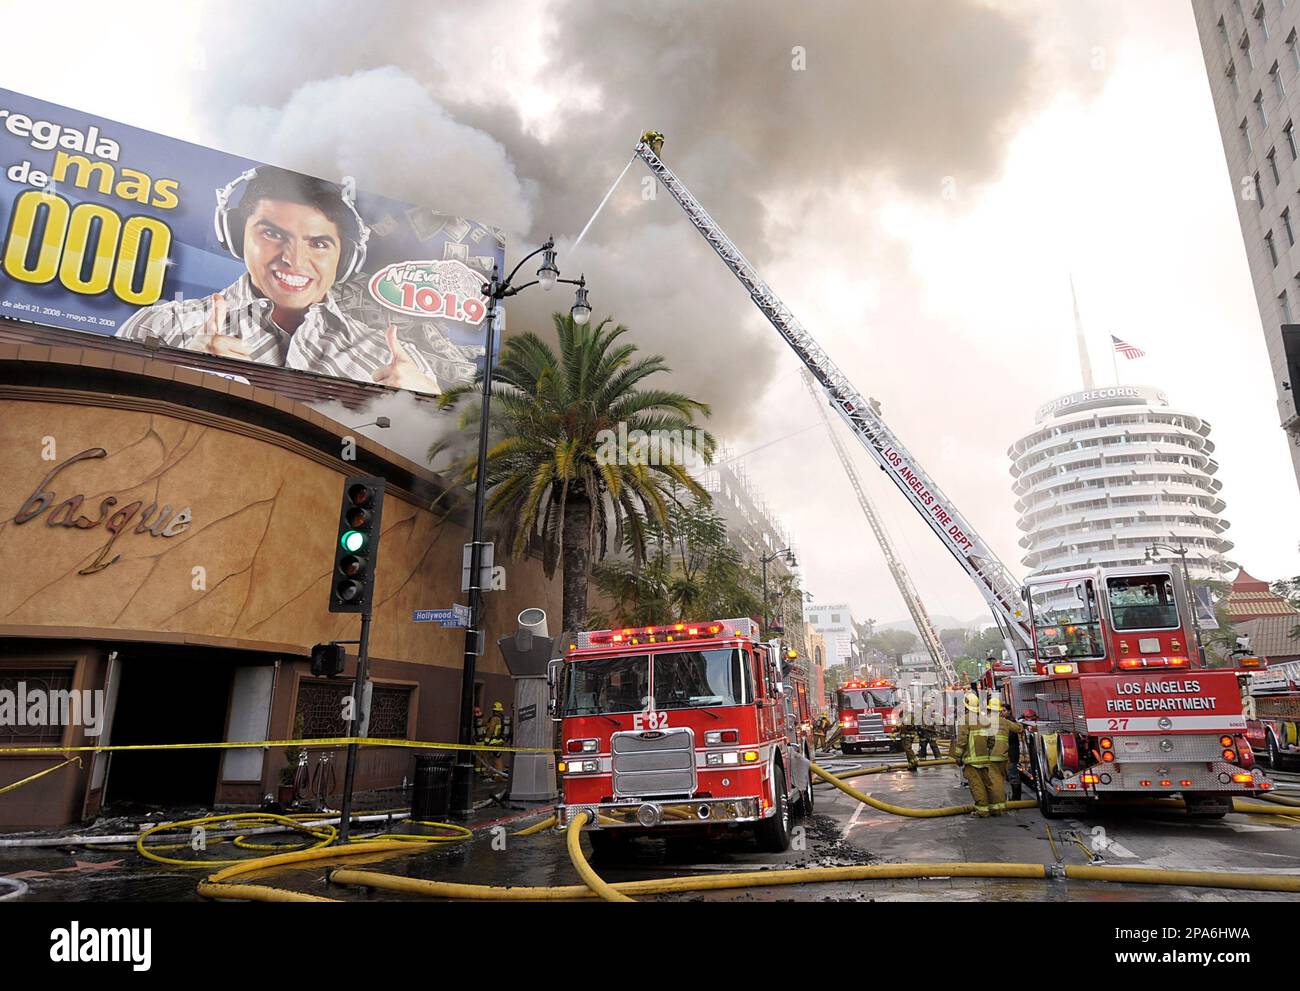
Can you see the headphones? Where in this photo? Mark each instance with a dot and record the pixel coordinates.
(231, 237)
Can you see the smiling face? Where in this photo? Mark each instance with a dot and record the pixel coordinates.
(292, 253)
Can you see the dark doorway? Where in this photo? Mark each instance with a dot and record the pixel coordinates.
(170, 695)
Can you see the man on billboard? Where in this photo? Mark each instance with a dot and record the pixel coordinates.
(299, 238)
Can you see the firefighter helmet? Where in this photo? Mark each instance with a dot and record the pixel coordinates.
(972, 702)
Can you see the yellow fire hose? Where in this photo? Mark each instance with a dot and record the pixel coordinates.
(818, 875)
(902, 810)
(324, 834)
(884, 768)
(595, 886)
(573, 837)
(1281, 799)
(218, 886)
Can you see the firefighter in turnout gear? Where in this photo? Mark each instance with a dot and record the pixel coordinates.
(927, 730)
(907, 737)
(981, 747)
(998, 769)
(494, 734)
(972, 747)
(820, 729)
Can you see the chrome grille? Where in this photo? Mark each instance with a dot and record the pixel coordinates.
(871, 724)
(659, 762)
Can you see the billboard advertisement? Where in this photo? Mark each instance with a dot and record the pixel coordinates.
(118, 231)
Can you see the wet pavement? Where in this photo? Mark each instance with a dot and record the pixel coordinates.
(841, 832)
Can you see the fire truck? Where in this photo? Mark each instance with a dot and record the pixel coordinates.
(686, 725)
(1109, 679)
(1119, 703)
(1275, 695)
(870, 715)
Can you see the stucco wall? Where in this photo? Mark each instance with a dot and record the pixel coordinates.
(263, 520)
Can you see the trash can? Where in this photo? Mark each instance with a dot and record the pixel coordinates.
(431, 797)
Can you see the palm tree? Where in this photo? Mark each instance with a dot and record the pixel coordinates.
(551, 480)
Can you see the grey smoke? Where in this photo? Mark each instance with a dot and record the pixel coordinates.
(405, 96)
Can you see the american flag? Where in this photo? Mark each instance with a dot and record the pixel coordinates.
(1129, 351)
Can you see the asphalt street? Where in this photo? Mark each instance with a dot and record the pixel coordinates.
(841, 831)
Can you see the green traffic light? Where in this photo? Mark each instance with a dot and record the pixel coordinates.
(352, 541)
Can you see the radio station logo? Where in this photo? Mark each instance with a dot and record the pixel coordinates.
(449, 289)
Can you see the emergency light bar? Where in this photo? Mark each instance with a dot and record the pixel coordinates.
(636, 636)
(1130, 663)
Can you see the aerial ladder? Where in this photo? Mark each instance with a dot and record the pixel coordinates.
(1000, 590)
(921, 618)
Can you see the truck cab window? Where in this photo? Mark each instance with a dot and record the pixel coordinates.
(1066, 621)
(1142, 602)
(607, 684)
(694, 678)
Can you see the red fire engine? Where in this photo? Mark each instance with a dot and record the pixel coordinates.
(1120, 703)
(1275, 696)
(870, 714)
(689, 724)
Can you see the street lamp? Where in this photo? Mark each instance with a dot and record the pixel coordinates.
(767, 559)
(548, 275)
(1151, 556)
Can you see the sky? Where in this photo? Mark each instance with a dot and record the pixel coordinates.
(918, 181)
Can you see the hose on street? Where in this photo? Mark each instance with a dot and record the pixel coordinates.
(818, 875)
(573, 837)
(902, 810)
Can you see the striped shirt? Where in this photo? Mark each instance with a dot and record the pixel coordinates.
(328, 341)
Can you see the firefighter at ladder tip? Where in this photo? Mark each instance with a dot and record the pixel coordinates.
(981, 746)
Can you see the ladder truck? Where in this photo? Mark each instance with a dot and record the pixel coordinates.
(1108, 681)
(920, 617)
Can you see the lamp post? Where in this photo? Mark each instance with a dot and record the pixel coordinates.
(548, 276)
(1152, 555)
(767, 559)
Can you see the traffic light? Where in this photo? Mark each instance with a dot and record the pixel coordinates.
(356, 551)
(327, 660)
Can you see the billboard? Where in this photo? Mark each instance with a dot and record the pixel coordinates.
(118, 231)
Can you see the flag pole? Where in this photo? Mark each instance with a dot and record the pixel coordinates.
(1114, 364)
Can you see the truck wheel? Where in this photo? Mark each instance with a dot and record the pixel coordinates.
(773, 833)
(1046, 806)
(1273, 761)
(808, 795)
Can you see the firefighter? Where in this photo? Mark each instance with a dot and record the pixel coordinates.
(494, 732)
(972, 747)
(928, 734)
(907, 737)
(1003, 728)
(820, 729)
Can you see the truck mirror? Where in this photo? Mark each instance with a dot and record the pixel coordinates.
(552, 684)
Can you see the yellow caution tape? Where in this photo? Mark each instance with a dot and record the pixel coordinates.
(40, 774)
(334, 741)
